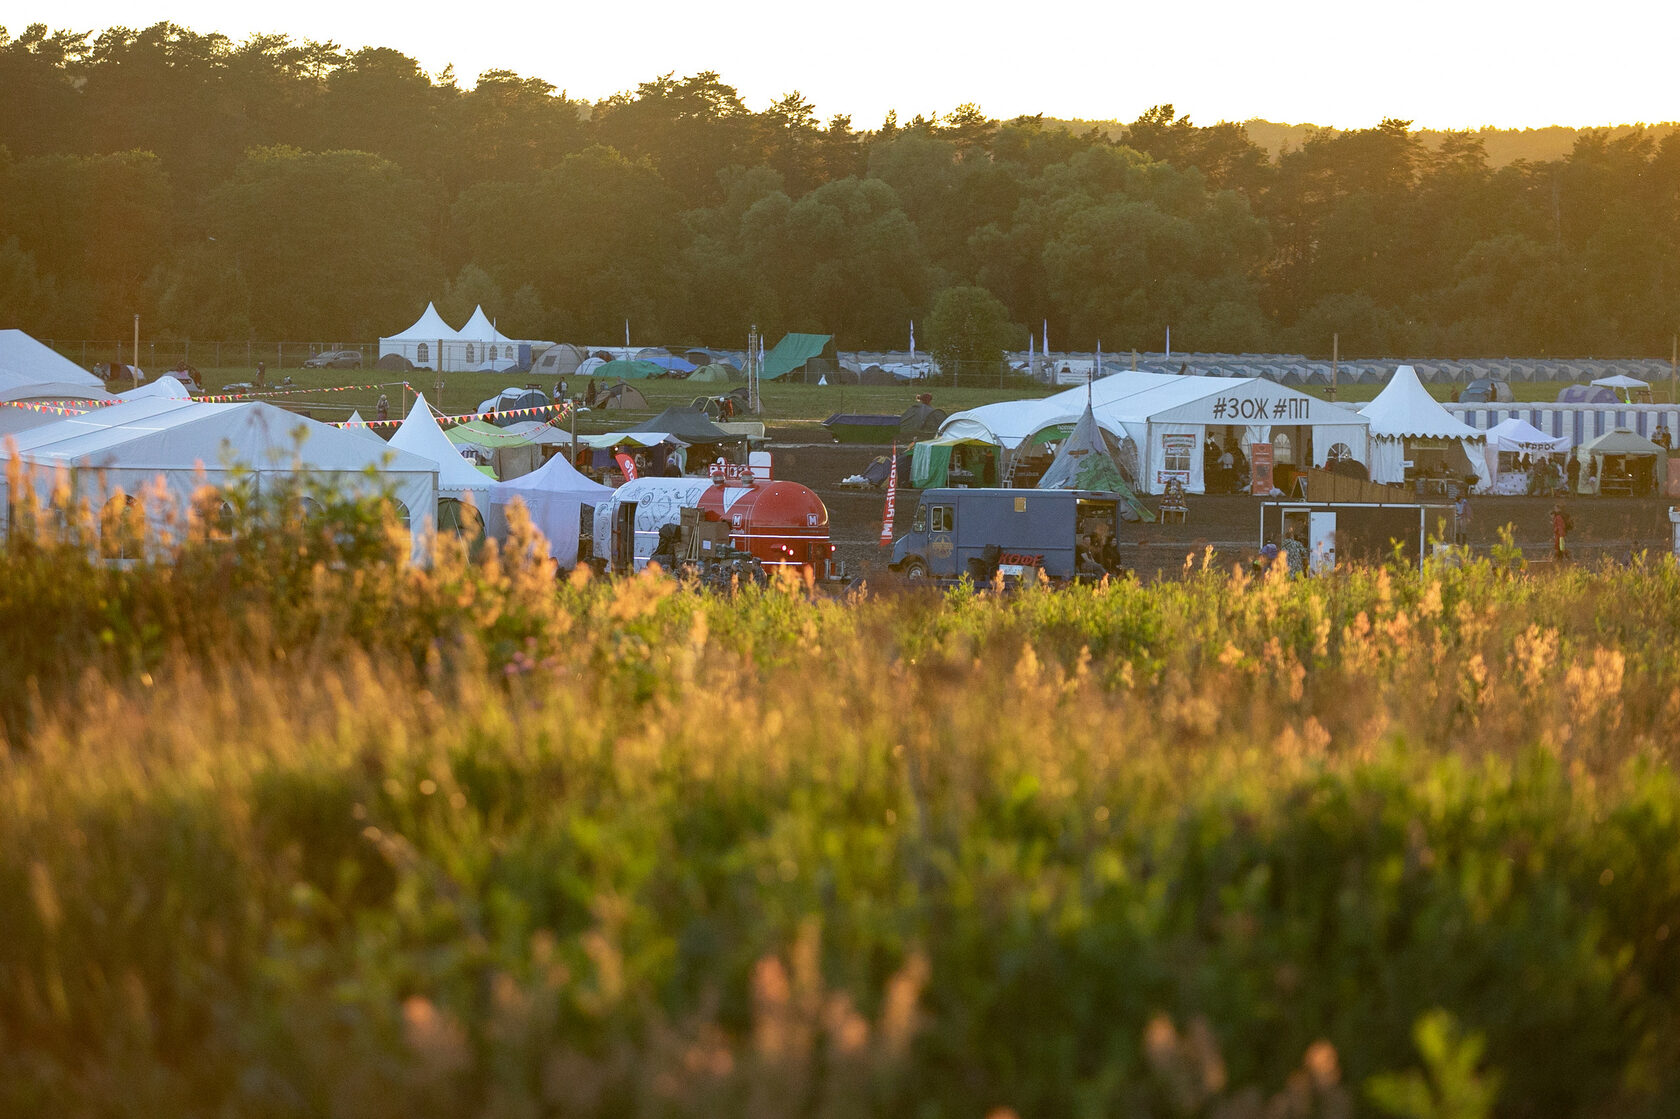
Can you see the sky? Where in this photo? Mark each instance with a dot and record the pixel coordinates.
(1340, 63)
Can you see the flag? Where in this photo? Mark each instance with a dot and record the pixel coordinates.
(912, 339)
(892, 496)
(626, 464)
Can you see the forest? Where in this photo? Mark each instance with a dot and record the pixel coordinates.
(276, 189)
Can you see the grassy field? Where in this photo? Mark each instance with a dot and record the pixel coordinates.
(290, 828)
(785, 405)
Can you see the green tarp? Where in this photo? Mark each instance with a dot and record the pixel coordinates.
(628, 370)
(792, 352)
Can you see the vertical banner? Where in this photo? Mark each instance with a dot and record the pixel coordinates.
(1260, 468)
(892, 497)
(627, 465)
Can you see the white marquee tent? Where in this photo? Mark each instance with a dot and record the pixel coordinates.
(555, 494)
(183, 445)
(1406, 420)
(31, 371)
(1168, 417)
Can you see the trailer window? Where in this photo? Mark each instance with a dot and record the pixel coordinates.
(942, 518)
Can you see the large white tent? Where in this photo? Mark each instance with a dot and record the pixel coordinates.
(555, 495)
(35, 373)
(1406, 421)
(1167, 418)
(182, 445)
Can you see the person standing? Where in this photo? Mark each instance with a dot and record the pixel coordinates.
(1561, 524)
(1461, 531)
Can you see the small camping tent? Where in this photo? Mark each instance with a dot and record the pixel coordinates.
(627, 370)
(1086, 461)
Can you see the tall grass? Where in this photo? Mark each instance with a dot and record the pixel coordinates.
(290, 827)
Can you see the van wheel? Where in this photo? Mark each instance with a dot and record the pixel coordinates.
(914, 569)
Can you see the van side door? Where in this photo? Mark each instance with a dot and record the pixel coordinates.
(942, 539)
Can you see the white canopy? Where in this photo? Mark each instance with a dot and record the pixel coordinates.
(1521, 437)
(185, 444)
(1621, 381)
(554, 494)
(30, 370)
(420, 435)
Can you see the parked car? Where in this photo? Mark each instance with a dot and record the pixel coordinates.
(335, 359)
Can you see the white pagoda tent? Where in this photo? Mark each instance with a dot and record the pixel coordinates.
(1408, 426)
(458, 481)
(430, 343)
(486, 348)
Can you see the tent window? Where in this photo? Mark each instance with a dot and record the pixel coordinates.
(1283, 448)
(469, 351)
(423, 352)
(1339, 452)
(1176, 456)
(404, 517)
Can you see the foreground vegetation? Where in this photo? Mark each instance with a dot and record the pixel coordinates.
(289, 828)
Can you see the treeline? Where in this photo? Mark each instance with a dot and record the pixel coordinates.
(273, 188)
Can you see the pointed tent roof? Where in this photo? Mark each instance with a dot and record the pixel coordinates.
(687, 425)
(421, 435)
(429, 327)
(554, 476)
(1404, 409)
(355, 425)
(479, 328)
(1085, 462)
(30, 370)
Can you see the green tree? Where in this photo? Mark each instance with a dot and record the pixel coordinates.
(330, 245)
(969, 330)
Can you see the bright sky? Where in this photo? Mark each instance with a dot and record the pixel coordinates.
(1439, 63)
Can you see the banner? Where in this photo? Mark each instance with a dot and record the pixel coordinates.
(892, 497)
(1260, 468)
(627, 465)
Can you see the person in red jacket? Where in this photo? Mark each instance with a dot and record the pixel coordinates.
(1561, 524)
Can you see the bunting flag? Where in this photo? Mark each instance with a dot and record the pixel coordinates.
(892, 497)
(294, 390)
(553, 411)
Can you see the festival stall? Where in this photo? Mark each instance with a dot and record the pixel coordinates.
(1522, 459)
(1416, 441)
(559, 501)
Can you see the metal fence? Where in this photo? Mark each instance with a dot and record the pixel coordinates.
(161, 355)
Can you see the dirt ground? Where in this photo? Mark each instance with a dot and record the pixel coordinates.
(1605, 528)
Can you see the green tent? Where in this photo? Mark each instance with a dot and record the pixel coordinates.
(628, 370)
(791, 353)
(714, 373)
(930, 462)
